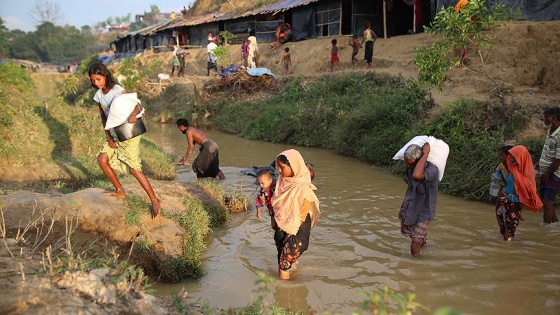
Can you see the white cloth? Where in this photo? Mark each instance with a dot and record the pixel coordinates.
(210, 50)
(439, 151)
(253, 50)
(121, 108)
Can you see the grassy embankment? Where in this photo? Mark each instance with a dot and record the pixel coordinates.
(371, 116)
(51, 144)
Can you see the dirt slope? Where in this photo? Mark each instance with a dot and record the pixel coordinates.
(524, 62)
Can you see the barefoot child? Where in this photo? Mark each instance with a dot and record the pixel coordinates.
(355, 48)
(118, 154)
(264, 194)
(245, 53)
(334, 54)
(286, 60)
(296, 209)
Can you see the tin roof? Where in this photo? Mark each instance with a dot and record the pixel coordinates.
(284, 5)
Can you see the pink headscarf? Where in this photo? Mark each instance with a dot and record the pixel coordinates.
(290, 194)
(524, 176)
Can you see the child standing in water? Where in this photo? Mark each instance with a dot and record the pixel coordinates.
(296, 209)
(520, 190)
(122, 155)
(264, 195)
(503, 170)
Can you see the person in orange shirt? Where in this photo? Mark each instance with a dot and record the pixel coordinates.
(460, 5)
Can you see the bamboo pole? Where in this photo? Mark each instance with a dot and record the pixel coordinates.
(384, 18)
(414, 18)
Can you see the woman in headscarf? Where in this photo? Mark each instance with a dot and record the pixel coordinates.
(520, 190)
(296, 209)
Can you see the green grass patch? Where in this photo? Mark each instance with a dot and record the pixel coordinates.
(196, 222)
(136, 206)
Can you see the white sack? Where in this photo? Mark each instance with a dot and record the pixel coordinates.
(439, 151)
(120, 109)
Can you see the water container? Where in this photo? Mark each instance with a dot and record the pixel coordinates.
(495, 184)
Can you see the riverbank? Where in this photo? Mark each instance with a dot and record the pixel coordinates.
(41, 149)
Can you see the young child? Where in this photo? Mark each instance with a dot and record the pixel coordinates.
(116, 154)
(520, 190)
(355, 44)
(245, 52)
(264, 195)
(296, 209)
(286, 60)
(502, 169)
(334, 54)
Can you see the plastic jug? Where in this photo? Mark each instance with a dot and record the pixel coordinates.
(495, 184)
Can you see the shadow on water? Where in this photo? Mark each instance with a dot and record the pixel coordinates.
(62, 151)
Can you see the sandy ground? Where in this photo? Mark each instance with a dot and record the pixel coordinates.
(523, 61)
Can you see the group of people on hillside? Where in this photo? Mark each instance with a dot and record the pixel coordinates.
(250, 50)
(292, 204)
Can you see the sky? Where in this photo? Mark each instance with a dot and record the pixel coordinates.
(16, 13)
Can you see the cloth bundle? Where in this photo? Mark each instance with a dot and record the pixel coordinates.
(439, 151)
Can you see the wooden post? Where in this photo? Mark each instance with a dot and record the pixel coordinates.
(340, 19)
(384, 18)
(414, 18)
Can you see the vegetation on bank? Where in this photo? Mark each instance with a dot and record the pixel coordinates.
(370, 116)
(56, 142)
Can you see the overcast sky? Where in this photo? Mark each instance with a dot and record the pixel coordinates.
(16, 13)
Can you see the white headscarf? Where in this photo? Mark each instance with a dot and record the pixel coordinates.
(291, 192)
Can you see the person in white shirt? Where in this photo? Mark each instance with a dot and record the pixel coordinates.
(253, 52)
(211, 59)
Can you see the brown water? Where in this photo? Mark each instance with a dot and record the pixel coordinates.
(357, 244)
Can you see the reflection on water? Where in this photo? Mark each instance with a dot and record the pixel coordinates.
(357, 245)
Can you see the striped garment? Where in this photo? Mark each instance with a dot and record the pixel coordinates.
(550, 152)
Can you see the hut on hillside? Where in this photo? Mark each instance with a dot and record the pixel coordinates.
(317, 18)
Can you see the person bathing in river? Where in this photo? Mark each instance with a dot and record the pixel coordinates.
(296, 210)
(207, 163)
(419, 205)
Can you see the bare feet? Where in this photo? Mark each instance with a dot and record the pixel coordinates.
(415, 248)
(156, 206)
(115, 193)
(284, 275)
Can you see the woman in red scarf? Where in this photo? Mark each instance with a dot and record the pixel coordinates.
(520, 190)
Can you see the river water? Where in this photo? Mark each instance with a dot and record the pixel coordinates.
(357, 246)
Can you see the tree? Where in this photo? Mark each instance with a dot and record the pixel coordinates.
(464, 32)
(45, 11)
(3, 40)
(100, 26)
(23, 47)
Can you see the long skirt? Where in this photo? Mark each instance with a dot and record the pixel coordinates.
(508, 215)
(207, 163)
(368, 53)
(289, 246)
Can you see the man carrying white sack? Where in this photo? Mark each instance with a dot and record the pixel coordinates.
(419, 204)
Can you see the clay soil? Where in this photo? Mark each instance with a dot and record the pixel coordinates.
(523, 62)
